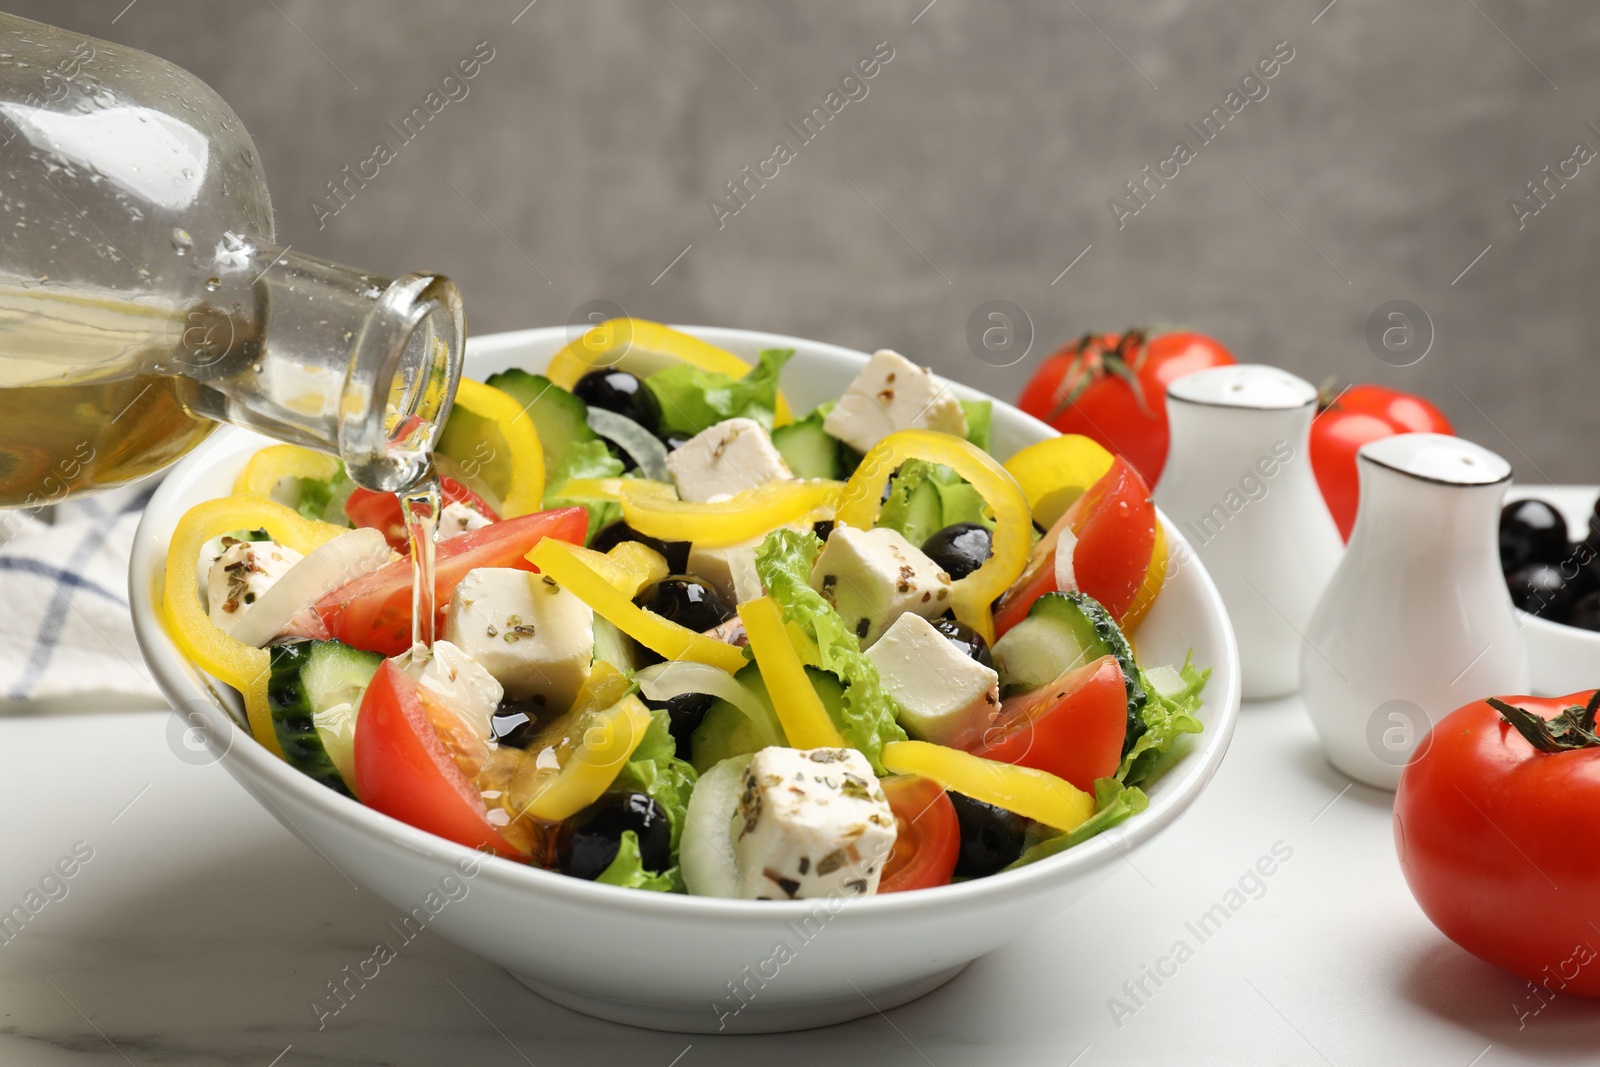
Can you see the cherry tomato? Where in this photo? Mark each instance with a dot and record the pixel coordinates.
(1113, 388)
(1360, 414)
(1073, 728)
(373, 612)
(1498, 840)
(404, 770)
(1115, 524)
(927, 837)
(381, 511)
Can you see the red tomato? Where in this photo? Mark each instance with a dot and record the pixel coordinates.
(1073, 728)
(381, 511)
(1115, 524)
(406, 772)
(1113, 388)
(1360, 414)
(928, 836)
(373, 612)
(1499, 841)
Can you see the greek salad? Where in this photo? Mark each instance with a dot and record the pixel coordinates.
(689, 640)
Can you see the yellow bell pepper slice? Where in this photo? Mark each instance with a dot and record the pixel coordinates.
(805, 721)
(604, 741)
(595, 488)
(1056, 472)
(1150, 586)
(653, 509)
(627, 568)
(644, 347)
(1030, 793)
(559, 560)
(191, 629)
(271, 465)
(1013, 532)
(491, 447)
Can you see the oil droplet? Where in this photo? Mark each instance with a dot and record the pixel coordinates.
(213, 284)
(181, 241)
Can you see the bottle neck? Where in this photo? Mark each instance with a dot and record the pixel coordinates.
(317, 354)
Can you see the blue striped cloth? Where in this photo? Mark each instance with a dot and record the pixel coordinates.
(64, 624)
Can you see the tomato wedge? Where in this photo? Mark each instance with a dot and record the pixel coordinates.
(406, 772)
(1115, 524)
(373, 612)
(1073, 728)
(927, 838)
(381, 511)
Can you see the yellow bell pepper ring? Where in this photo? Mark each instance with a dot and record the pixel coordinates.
(805, 721)
(1055, 472)
(1033, 794)
(609, 738)
(1013, 532)
(232, 662)
(558, 560)
(653, 509)
(1155, 576)
(273, 464)
(492, 446)
(627, 568)
(643, 347)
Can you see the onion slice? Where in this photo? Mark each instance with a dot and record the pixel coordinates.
(705, 854)
(346, 557)
(663, 681)
(645, 447)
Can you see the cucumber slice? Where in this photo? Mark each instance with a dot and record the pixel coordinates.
(613, 646)
(807, 449)
(1064, 631)
(559, 417)
(312, 679)
(705, 854)
(727, 732)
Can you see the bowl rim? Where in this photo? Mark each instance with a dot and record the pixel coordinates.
(250, 762)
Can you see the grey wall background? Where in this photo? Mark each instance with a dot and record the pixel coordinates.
(978, 166)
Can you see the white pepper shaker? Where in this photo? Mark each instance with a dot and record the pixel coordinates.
(1238, 483)
(1417, 620)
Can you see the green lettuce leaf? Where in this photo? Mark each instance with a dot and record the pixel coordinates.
(1167, 716)
(926, 497)
(693, 399)
(980, 418)
(627, 870)
(585, 459)
(1113, 803)
(655, 769)
(867, 715)
(321, 499)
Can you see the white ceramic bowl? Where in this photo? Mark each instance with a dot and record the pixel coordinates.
(1561, 659)
(676, 962)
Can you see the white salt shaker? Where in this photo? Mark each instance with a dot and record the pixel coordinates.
(1417, 620)
(1238, 483)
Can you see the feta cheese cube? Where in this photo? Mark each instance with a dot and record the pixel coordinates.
(728, 458)
(535, 637)
(729, 569)
(945, 696)
(465, 686)
(237, 578)
(457, 518)
(874, 576)
(811, 823)
(892, 393)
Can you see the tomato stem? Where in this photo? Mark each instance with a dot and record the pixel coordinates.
(1569, 731)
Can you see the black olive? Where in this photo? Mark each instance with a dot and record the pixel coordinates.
(823, 529)
(1541, 589)
(588, 841)
(1531, 531)
(624, 393)
(991, 837)
(515, 722)
(960, 549)
(1586, 612)
(676, 553)
(968, 642)
(687, 601)
(685, 713)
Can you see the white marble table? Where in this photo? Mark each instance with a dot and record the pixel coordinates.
(200, 931)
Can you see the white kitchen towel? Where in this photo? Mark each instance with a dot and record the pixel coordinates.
(65, 629)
